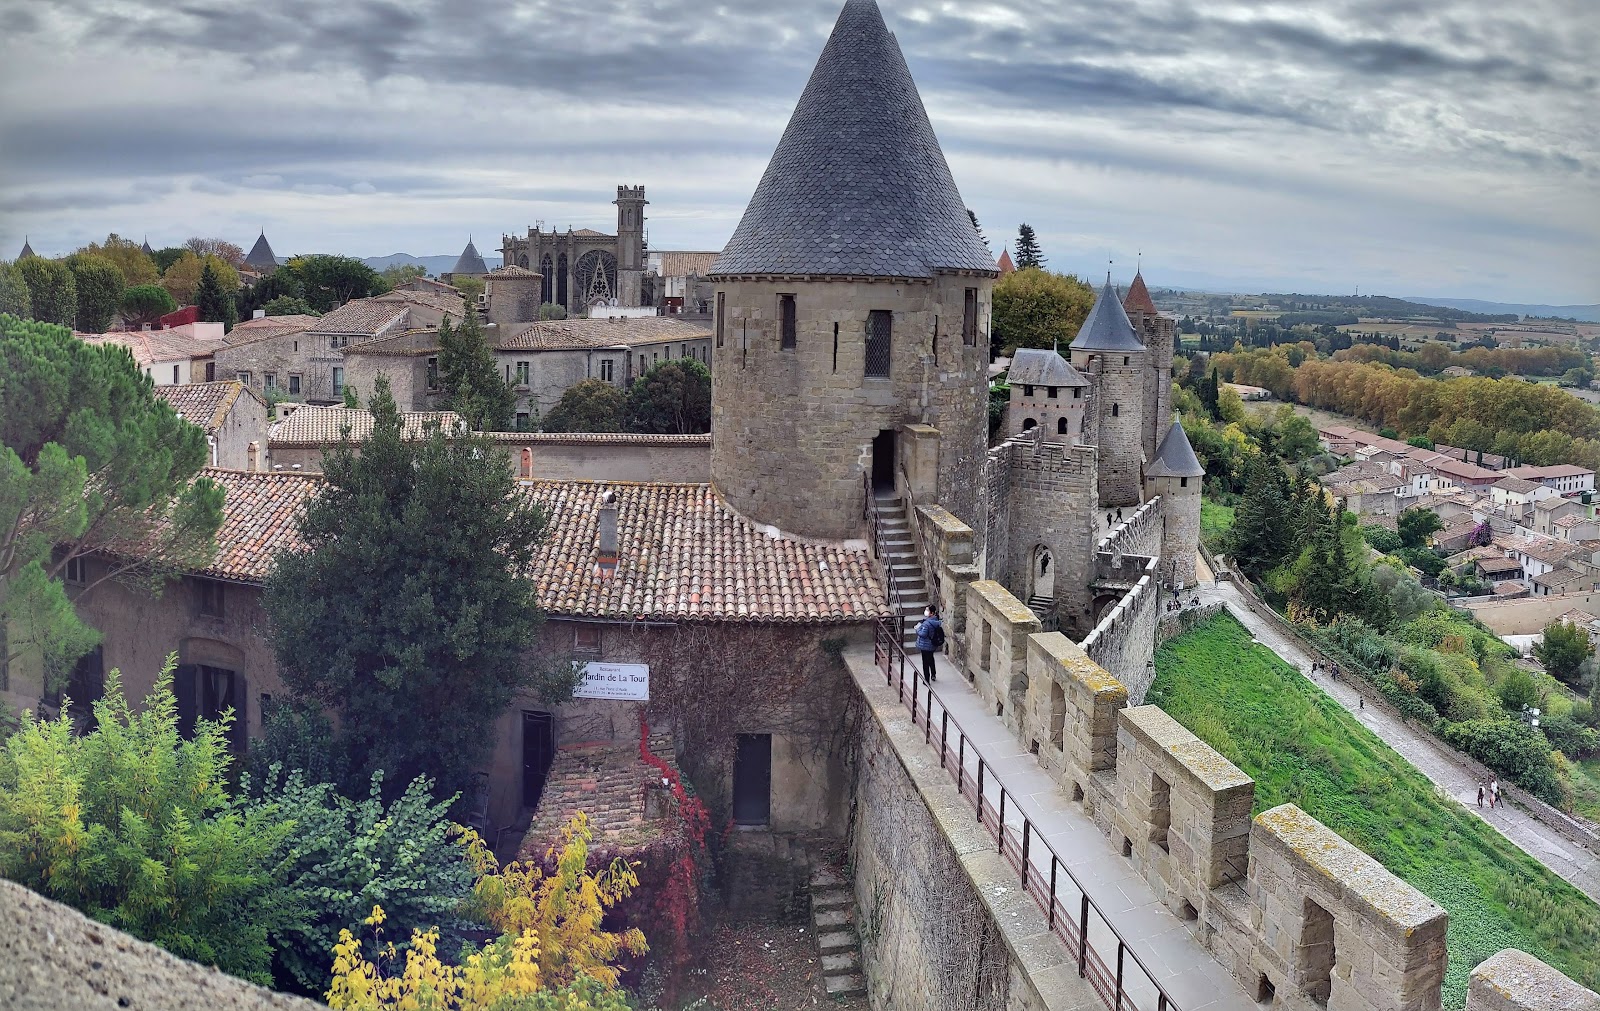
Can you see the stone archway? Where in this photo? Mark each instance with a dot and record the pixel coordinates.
(1028, 423)
(1042, 574)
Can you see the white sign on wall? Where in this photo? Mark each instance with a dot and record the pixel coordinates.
(628, 682)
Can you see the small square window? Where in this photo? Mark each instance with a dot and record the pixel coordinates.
(211, 598)
(243, 377)
(1052, 391)
(75, 571)
(586, 638)
(1027, 390)
(524, 421)
(522, 373)
(269, 380)
(607, 370)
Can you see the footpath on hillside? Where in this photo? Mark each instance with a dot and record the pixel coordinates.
(1431, 757)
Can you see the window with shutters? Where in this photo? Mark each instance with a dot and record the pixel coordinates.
(969, 318)
(879, 328)
(205, 693)
(786, 322)
(522, 373)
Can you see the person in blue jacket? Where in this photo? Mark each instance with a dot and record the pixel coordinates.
(930, 640)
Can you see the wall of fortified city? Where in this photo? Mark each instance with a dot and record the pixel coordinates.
(772, 437)
(1049, 500)
(1118, 378)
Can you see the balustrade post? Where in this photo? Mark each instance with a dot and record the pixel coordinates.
(1052, 916)
(1120, 949)
(944, 736)
(1083, 937)
(1027, 827)
(980, 789)
(1002, 824)
(961, 762)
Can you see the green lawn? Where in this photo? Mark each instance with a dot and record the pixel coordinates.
(1302, 747)
(1216, 520)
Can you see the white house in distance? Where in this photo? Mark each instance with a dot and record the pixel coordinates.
(1565, 478)
(172, 357)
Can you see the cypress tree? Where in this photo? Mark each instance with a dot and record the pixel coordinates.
(210, 299)
(1028, 248)
(470, 383)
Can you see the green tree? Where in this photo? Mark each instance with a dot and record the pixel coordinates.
(1262, 534)
(1517, 690)
(1563, 649)
(182, 279)
(331, 281)
(14, 299)
(673, 398)
(132, 825)
(1381, 538)
(345, 856)
(52, 291)
(1035, 308)
(550, 311)
(289, 305)
(90, 459)
(130, 258)
(470, 380)
(470, 288)
(1416, 525)
(409, 612)
(402, 273)
(214, 305)
(146, 303)
(351, 399)
(165, 258)
(590, 405)
(100, 285)
(1027, 248)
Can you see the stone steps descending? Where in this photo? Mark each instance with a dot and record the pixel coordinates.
(833, 918)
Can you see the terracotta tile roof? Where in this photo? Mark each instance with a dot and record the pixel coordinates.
(682, 263)
(1138, 297)
(682, 554)
(317, 426)
(1004, 264)
(151, 346)
(419, 341)
(512, 270)
(1491, 566)
(1554, 471)
(1516, 485)
(609, 783)
(362, 316)
(443, 301)
(568, 334)
(590, 233)
(259, 519)
(203, 404)
(251, 331)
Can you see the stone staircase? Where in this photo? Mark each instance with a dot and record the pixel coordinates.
(833, 915)
(900, 557)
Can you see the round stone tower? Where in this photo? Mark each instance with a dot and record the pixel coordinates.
(512, 295)
(1107, 351)
(1157, 333)
(1176, 475)
(852, 299)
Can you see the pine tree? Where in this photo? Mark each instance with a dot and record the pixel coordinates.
(1027, 248)
(210, 299)
(1262, 534)
(470, 382)
(973, 217)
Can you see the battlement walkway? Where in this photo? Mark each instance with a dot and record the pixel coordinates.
(1046, 831)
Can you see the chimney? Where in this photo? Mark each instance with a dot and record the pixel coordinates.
(608, 533)
(251, 452)
(259, 314)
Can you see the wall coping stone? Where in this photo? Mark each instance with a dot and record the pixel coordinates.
(1077, 665)
(1000, 599)
(1197, 758)
(1355, 874)
(946, 521)
(1517, 979)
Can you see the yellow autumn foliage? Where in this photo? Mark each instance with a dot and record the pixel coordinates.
(551, 940)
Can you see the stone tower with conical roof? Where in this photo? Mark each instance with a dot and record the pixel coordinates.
(1175, 474)
(469, 263)
(261, 258)
(1156, 332)
(852, 300)
(27, 250)
(1111, 355)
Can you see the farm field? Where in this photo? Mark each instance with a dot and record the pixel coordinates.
(1302, 747)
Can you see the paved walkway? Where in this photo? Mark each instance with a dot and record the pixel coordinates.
(1162, 942)
(1431, 757)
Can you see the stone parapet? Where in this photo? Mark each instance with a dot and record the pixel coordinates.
(1072, 711)
(1516, 981)
(998, 627)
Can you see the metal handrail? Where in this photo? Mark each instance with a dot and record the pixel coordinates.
(1110, 982)
(869, 512)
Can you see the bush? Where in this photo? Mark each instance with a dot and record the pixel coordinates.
(1570, 736)
(1513, 749)
(1381, 538)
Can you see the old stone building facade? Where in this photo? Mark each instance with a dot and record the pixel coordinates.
(580, 268)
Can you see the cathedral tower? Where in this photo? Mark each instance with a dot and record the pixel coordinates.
(1157, 332)
(630, 243)
(852, 299)
(1107, 351)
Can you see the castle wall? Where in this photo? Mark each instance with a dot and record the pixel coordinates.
(513, 299)
(806, 417)
(1123, 640)
(997, 629)
(1516, 981)
(1156, 332)
(1049, 500)
(1120, 402)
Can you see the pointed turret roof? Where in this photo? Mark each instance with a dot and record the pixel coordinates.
(1138, 297)
(1107, 328)
(469, 262)
(261, 257)
(858, 184)
(1175, 457)
(27, 250)
(144, 247)
(1004, 264)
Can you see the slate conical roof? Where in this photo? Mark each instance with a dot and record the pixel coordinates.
(858, 184)
(1138, 297)
(469, 262)
(27, 250)
(261, 257)
(144, 247)
(1107, 328)
(1175, 457)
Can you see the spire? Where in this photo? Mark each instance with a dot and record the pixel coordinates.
(469, 262)
(858, 184)
(1138, 297)
(1004, 264)
(1175, 457)
(27, 250)
(144, 247)
(1107, 328)
(261, 257)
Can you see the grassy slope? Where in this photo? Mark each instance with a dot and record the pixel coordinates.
(1216, 520)
(1586, 788)
(1302, 747)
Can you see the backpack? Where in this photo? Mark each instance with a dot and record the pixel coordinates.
(937, 638)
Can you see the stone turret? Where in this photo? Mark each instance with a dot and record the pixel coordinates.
(1108, 352)
(1156, 332)
(1048, 393)
(1176, 475)
(852, 299)
(512, 295)
(630, 243)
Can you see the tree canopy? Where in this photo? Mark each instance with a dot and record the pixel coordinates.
(146, 303)
(228, 252)
(1027, 248)
(409, 611)
(289, 305)
(14, 299)
(214, 305)
(1034, 308)
(52, 290)
(469, 380)
(100, 286)
(590, 405)
(130, 258)
(90, 459)
(331, 281)
(1416, 525)
(673, 398)
(182, 279)
(1562, 649)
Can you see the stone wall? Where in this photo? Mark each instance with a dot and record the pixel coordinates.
(1516, 981)
(1123, 641)
(942, 922)
(1041, 499)
(537, 456)
(998, 627)
(1138, 534)
(949, 564)
(806, 416)
(293, 354)
(1180, 526)
(1119, 401)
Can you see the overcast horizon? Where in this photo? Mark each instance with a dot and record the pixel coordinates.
(1385, 144)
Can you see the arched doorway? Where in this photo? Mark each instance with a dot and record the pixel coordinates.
(1029, 423)
(1044, 574)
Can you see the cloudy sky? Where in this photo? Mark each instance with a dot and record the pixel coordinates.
(1411, 147)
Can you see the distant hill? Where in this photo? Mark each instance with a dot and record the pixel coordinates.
(1381, 306)
(434, 265)
(1587, 313)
